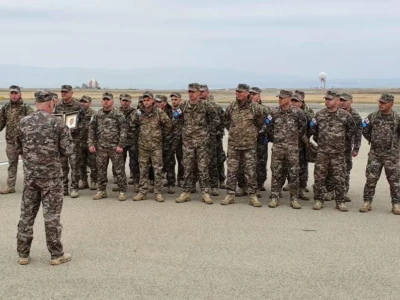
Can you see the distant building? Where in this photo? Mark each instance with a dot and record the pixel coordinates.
(93, 84)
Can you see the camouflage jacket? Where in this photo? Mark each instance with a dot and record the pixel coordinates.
(130, 116)
(220, 113)
(10, 116)
(150, 127)
(108, 129)
(43, 139)
(244, 121)
(83, 126)
(287, 127)
(382, 132)
(200, 122)
(262, 137)
(330, 130)
(355, 142)
(70, 107)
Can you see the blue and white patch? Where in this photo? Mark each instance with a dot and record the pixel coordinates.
(365, 123)
(268, 120)
(177, 113)
(313, 122)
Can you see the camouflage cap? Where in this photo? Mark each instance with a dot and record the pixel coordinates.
(43, 96)
(387, 97)
(255, 90)
(66, 88)
(203, 87)
(242, 87)
(15, 88)
(346, 96)
(160, 98)
(55, 95)
(148, 94)
(301, 93)
(140, 99)
(331, 95)
(86, 99)
(178, 95)
(297, 98)
(193, 87)
(108, 95)
(125, 97)
(285, 94)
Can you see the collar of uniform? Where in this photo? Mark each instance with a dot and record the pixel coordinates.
(19, 102)
(244, 105)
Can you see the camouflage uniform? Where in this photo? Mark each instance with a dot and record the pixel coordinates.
(330, 130)
(107, 131)
(286, 128)
(383, 134)
(10, 115)
(42, 140)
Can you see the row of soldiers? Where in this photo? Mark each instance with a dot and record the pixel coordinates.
(154, 133)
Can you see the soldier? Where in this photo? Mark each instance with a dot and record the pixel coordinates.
(150, 123)
(55, 98)
(330, 129)
(87, 159)
(41, 140)
(217, 155)
(107, 138)
(10, 115)
(69, 104)
(200, 122)
(381, 129)
(176, 137)
(286, 126)
(243, 119)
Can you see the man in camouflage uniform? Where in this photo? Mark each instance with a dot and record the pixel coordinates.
(286, 126)
(330, 129)
(382, 130)
(176, 137)
(243, 119)
(200, 122)
(107, 138)
(67, 105)
(217, 154)
(87, 159)
(42, 139)
(150, 124)
(10, 115)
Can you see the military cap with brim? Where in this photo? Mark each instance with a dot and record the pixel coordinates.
(148, 94)
(43, 96)
(331, 95)
(346, 97)
(255, 90)
(297, 97)
(387, 98)
(108, 96)
(242, 87)
(66, 88)
(301, 93)
(15, 88)
(193, 87)
(203, 87)
(178, 95)
(125, 97)
(285, 94)
(87, 99)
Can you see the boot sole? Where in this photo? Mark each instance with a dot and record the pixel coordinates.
(61, 262)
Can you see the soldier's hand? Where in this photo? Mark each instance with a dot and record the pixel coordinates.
(354, 154)
(119, 149)
(92, 149)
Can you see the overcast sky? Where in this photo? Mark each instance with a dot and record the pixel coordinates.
(347, 39)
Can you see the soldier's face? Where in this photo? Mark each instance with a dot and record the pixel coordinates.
(242, 96)
(345, 104)
(296, 103)
(66, 95)
(15, 96)
(204, 95)
(175, 101)
(125, 103)
(107, 103)
(255, 97)
(148, 102)
(194, 95)
(84, 105)
(284, 101)
(159, 105)
(331, 103)
(385, 107)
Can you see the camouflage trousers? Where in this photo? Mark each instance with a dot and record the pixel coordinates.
(213, 166)
(87, 159)
(133, 162)
(169, 164)
(177, 151)
(49, 192)
(196, 158)
(221, 157)
(249, 158)
(12, 156)
(374, 169)
(72, 162)
(330, 185)
(285, 157)
(303, 171)
(325, 163)
(156, 157)
(103, 155)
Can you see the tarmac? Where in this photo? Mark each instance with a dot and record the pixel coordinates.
(151, 250)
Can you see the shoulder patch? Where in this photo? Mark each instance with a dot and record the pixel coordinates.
(365, 123)
(313, 122)
(268, 120)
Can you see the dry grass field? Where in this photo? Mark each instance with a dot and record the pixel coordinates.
(222, 96)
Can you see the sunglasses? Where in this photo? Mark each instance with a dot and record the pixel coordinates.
(125, 100)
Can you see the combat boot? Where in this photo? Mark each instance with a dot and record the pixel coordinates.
(122, 196)
(74, 194)
(396, 208)
(366, 207)
(286, 188)
(83, 184)
(171, 190)
(184, 197)
(302, 195)
(24, 260)
(206, 198)
(151, 186)
(258, 194)
(115, 188)
(341, 206)
(294, 204)
(229, 199)
(240, 193)
(254, 201)
(214, 192)
(158, 197)
(130, 181)
(66, 192)
(7, 190)
(63, 259)
(140, 197)
(100, 195)
(222, 185)
(347, 199)
(263, 189)
(318, 205)
(193, 190)
(306, 189)
(93, 186)
(329, 196)
(180, 183)
(273, 203)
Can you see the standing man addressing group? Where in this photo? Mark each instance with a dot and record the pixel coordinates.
(10, 115)
(42, 140)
